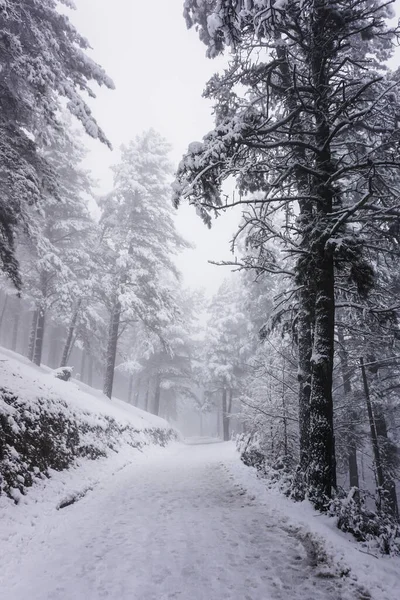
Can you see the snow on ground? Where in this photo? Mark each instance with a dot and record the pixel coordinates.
(185, 522)
(28, 382)
(376, 577)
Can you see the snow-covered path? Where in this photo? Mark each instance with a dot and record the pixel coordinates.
(174, 525)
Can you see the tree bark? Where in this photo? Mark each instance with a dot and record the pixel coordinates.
(379, 437)
(322, 467)
(225, 416)
(38, 350)
(147, 396)
(3, 312)
(389, 460)
(83, 365)
(55, 346)
(130, 388)
(136, 395)
(157, 395)
(70, 336)
(351, 442)
(90, 371)
(32, 336)
(374, 436)
(112, 349)
(16, 322)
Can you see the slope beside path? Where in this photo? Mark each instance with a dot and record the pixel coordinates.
(177, 523)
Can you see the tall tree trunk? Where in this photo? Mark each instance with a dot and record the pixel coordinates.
(284, 409)
(70, 336)
(157, 395)
(90, 371)
(136, 395)
(3, 312)
(305, 316)
(386, 485)
(374, 436)
(322, 466)
(351, 442)
(230, 401)
(225, 416)
(37, 353)
(147, 396)
(16, 322)
(32, 335)
(130, 388)
(83, 365)
(112, 349)
(55, 346)
(389, 461)
(219, 422)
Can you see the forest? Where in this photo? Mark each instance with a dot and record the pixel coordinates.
(296, 357)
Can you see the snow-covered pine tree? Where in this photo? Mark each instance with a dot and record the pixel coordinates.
(139, 240)
(55, 254)
(166, 364)
(42, 60)
(306, 121)
(226, 348)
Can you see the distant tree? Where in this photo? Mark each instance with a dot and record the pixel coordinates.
(138, 239)
(226, 348)
(43, 62)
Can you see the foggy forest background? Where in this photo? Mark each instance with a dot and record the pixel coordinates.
(296, 356)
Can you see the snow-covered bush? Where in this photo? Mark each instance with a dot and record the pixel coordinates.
(375, 528)
(49, 433)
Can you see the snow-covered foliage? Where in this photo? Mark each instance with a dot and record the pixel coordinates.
(138, 241)
(306, 123)
(55, 251)
(47, 424)
(43, 61)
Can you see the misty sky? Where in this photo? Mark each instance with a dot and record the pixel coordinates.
(159, 69)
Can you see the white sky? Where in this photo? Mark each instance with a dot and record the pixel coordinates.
(159, 69)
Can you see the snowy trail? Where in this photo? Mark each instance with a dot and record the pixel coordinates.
(172, 526)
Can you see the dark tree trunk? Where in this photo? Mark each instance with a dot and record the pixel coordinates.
(225, 415)
(32, 336)
(305, 316)
(37, 353)
(374, 436)
(112, 349)
(351, 441)
(284, 412)
(322, 466)
(157, 395)
(389, 461)
(304, 332)
(70, 336)
(382, 449)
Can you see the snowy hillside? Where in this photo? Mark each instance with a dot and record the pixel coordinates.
(46, 423)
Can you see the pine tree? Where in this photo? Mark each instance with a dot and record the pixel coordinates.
(43, 60)
(306, 121)
(54, 256)
(138, 242)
